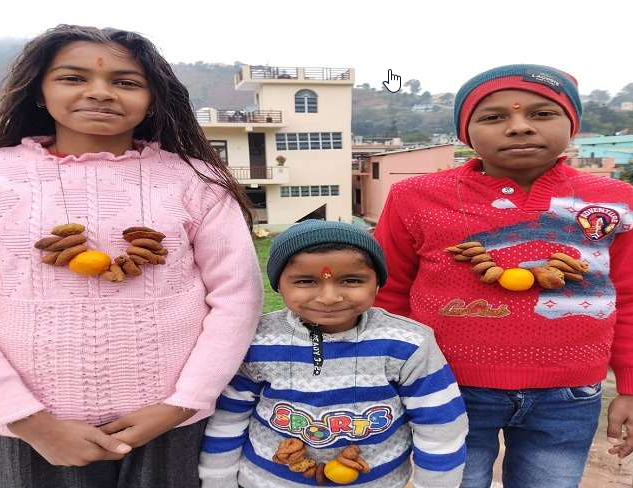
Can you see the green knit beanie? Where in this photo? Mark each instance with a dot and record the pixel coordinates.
(314, 232)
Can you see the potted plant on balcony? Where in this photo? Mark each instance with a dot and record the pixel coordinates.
(281, 160)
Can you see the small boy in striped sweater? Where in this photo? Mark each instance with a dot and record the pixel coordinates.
(333, 391)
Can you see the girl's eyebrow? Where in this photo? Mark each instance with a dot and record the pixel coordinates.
(119, 72)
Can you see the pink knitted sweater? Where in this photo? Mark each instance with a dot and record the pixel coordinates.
(91, 350)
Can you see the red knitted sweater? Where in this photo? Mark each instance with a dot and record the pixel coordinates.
(497, 338)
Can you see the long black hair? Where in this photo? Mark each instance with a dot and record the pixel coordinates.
(171, 121)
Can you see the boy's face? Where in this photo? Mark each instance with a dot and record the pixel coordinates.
(515, 131)
(329, 289)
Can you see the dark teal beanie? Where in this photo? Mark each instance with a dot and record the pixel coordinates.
(552, 83)
(314, 232)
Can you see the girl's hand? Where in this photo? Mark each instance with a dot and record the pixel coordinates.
(621, 417)
(67, 442)
(140, 427)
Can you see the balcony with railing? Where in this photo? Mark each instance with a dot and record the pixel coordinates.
(249, 76)
(231, 117)
(261, 175)
(360, 167)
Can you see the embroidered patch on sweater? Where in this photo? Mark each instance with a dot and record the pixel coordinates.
(331, 426)
(477, 308)
(597, 222)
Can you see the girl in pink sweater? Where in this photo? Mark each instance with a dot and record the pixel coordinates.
(113, 345)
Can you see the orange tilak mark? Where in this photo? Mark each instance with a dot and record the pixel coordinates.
(100, 62)
(326, 273)
(516, 106)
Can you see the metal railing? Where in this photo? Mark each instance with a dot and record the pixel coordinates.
(255, 117)
(291, 73)
(242, 173)
(240, 116)
(326, 73)
(273, 73)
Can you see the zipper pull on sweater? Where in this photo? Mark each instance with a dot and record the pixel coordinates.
(316, 337)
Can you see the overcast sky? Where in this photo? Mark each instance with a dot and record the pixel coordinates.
(440, 42)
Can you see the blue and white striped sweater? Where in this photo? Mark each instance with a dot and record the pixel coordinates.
(384, 386)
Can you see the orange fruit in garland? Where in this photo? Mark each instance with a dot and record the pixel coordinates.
(516, 279)
(90, 263)
(339, 473)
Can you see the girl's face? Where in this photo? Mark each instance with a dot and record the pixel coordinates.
(93, 89)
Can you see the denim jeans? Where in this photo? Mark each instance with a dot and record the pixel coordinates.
(547, 435)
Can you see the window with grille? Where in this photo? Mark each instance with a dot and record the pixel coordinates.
(305, 102)
(292, 141)
(310, 191)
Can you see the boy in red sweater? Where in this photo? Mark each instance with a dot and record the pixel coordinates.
(519, 263)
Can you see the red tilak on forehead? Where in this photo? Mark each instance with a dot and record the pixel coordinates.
(100, 62)
(326, 273)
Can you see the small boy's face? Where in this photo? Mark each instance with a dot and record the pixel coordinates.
(515, 131)
(329, 289)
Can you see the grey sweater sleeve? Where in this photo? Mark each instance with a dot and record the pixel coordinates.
(437, 417)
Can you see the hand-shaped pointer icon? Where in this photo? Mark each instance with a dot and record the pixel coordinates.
(393, 82)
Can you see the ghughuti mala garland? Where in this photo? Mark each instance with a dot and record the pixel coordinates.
(552, 275)
(342, 470)
(67, 246)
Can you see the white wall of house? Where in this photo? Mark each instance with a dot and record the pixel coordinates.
(311, 167)
(237, 143)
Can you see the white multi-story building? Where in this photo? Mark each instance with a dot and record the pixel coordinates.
(292, 152)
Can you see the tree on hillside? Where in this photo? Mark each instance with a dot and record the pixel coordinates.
(627, 90)
(426, 98)
(393, 129)
(601, 97)
(447, 99)
(414, 86)
(624, 95)
(604, 120)
(416, 136)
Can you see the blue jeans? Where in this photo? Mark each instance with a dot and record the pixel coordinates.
(547, 435)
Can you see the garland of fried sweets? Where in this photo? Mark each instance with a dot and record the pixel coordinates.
(551, 276)
(67, 246)
(342, 470)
